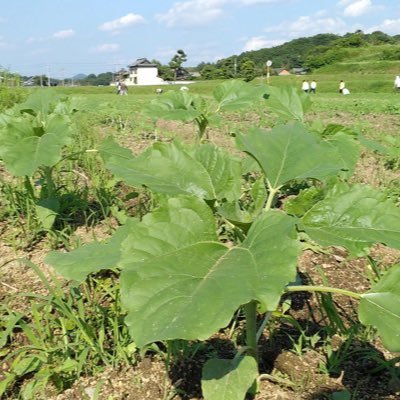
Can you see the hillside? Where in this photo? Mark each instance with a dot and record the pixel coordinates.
(290, 54)
(322, 50)
(356, 52)
(368, 59)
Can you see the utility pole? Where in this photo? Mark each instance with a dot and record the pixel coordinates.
(48, 77)
(269, 63)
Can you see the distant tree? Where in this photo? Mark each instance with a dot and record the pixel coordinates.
(378, 37)
(9, 78)
(207, 71)
(351, 40)
(104, 78)
(326, 56)
(164, 71)
(247, 69)
(228, 67)
(176, 63)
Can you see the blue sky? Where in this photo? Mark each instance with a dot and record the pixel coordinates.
(62, 38)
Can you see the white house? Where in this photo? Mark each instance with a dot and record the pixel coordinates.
(141, 72)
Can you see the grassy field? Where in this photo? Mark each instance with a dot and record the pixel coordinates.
(63, 339)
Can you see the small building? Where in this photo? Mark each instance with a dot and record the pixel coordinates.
(299, 71)
(284, 72)
(141, 72)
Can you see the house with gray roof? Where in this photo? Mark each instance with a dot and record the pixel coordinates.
(140, 72)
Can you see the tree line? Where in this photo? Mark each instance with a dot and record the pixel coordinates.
(309, 53)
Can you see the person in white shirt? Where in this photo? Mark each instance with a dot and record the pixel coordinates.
(397, 83)
(313, 86)
(305, 87)
(342, 85)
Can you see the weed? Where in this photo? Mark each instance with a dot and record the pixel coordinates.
(66, 333)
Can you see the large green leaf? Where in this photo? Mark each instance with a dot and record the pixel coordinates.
(30, 153)
(164, 168)
(92, 257)
(47, 211)
(224, 170)
(228, 379)
(39, 102)
(233, 95)
(289, 152)
(243, 215)
(173, 106)
(180, 222)
(354, 217)
(109, 149)
(208, 172)
(288, 102)
(349, 151)
(300, 204)
(380, 307)
(191, 292)
(14, 130)
(28, 144)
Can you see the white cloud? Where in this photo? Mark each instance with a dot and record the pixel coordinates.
(64, 34)
(58, 35)
(36, 39)
(356, 8)
(259, 42)
(389, 26)
(253, 2)
(106, 48)
(308, 26)
(192, 13)
(122, 22)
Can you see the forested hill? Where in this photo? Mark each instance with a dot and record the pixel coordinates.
(323, 49)
(290, 54)
(314, 52)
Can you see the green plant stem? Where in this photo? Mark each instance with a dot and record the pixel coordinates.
(262, 326)
(250, 310)
(50, 186)
(323, 289)
(271, 194)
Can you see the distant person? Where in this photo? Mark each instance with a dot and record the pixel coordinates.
(397, 83)
(305, 87)
(118, 87)
(342, 85)
(124, 89)
(313, 86)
